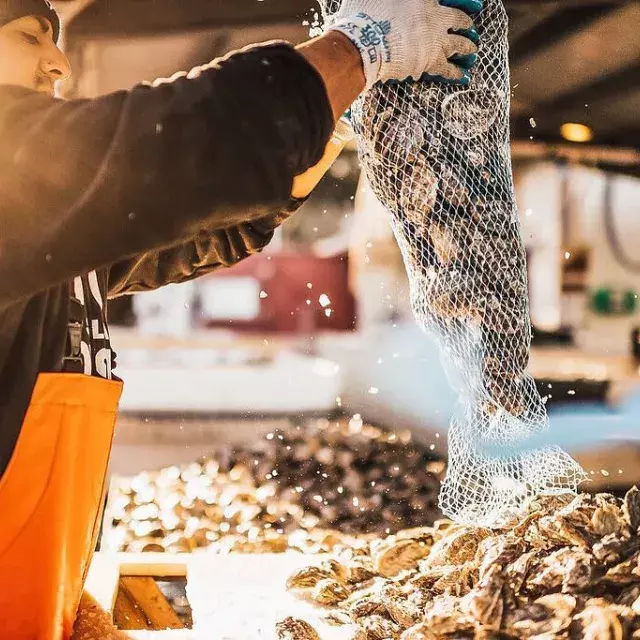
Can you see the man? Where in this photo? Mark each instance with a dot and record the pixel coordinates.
(127, 193)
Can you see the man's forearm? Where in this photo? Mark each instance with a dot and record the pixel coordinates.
(207, 252)
(338, 62)
(88, 183)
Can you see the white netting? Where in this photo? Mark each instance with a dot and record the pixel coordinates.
(438, 159)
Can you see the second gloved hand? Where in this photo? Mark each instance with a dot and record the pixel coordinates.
(402, 39)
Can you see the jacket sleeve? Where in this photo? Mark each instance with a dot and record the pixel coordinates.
(208, 251)
(86, 184)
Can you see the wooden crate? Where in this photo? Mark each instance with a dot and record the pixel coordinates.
(124, 585)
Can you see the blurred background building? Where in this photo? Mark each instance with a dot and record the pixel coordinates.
(319, 326)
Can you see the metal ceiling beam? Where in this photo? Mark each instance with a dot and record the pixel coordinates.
(560, 23)
(628, 136)
(581, 58)
(120, 18)
(596, 96)
(524, 18)
(124, 17)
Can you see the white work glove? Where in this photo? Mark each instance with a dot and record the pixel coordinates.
(401, 39)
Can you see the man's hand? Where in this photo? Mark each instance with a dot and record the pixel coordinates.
(93, 623)
(401, 39)
(369, 41)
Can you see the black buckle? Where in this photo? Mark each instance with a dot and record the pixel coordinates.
(73, 362)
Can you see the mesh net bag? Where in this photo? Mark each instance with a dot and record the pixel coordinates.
(438, 159)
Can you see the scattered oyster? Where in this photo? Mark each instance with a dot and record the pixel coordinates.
(293, 629)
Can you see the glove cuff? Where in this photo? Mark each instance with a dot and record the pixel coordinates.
(370, 37)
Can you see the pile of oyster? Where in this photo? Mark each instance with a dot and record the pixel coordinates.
(567, 568)
(302, 488)
(351, 476)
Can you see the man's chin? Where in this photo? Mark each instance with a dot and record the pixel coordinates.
(47, 88)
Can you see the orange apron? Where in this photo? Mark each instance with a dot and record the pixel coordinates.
(51, 498)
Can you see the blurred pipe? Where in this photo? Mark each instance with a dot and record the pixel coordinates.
(583, 154)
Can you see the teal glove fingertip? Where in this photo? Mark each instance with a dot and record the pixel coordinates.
(466, 62)
(465, 80)
(468, 6)
(472, 34)
(458, 82)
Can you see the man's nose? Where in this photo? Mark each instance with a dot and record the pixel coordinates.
(56, 65)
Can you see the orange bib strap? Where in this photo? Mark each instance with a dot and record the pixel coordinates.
(50, 497)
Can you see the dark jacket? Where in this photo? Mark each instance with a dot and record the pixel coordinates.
(138, 189)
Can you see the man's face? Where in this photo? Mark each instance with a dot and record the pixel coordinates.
(29, 57)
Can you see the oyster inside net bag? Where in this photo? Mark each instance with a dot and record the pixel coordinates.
(438, 159)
